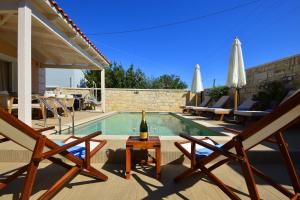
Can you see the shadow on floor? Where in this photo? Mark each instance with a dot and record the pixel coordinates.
(45, 178)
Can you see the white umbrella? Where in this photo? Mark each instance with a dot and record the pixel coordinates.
(236, 70)
(197, 85)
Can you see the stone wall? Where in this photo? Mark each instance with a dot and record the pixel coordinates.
(145, 99)
(286, 70)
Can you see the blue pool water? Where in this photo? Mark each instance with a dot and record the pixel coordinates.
(160, 124)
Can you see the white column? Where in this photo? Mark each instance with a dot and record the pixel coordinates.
(103, 89)
(24, 61)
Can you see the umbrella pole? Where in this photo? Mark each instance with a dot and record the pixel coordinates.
(235, 99)
(235, 102)
(201, 96)
(196, 99)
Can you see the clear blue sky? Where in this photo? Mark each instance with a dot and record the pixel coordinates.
(268, 30)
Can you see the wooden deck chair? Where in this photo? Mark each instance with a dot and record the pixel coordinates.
(77, 150)
(270, 128)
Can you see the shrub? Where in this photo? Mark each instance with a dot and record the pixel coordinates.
(270, 94)
(216, 92)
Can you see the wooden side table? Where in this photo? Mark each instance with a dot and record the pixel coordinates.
(134, 142)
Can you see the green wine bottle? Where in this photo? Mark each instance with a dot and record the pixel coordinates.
(143, 128)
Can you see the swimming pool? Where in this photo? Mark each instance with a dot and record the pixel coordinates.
(160, 124)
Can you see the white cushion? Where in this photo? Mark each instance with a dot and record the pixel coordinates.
(93, 144)
(188, 146)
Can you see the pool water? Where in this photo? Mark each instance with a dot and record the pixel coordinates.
(159, 124)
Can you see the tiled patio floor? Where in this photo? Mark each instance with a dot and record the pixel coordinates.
(142, 185)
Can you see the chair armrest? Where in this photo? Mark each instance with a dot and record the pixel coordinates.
(4, 140)
(211, 147)
(234, 131)
(69, 145)
(45, 129)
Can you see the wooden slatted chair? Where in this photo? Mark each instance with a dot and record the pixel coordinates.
(270, 128)
(76, 150)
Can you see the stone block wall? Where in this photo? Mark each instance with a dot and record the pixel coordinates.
(286, 70)
(145, 99)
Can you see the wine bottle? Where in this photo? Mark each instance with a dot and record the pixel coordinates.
(143, 128)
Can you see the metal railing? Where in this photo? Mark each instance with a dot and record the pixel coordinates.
(53, 111)
(68, 111)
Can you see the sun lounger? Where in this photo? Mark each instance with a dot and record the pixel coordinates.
(245, 106)
(219, 104)
(204, 103)
(258, 113)
(78, 151)
(269, 129)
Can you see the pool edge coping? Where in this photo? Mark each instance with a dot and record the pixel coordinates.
(224, 137)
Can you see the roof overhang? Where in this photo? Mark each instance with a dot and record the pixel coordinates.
(55, 41)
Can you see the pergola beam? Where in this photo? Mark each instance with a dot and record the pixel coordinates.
(69, 66)
(47, 24)
(5, 18)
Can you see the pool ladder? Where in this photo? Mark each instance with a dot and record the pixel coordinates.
(68, 111)
(55, 113)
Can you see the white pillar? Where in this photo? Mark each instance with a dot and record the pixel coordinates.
(103, 89)
(24, 61)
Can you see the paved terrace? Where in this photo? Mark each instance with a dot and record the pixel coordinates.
(142, 185)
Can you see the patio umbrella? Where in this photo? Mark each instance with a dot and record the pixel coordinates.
(197, 86)
(236, 70)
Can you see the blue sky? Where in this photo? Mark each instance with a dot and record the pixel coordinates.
(268, 30)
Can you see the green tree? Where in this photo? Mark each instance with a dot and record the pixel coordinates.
(117, 77)
(168, 82)
(130, 77)
(140, 79)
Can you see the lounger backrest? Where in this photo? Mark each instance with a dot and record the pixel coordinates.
(279, 118)
(247, 104)
(221, 102)
(289, 94)
(205, 101)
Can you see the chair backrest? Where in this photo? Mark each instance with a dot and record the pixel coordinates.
(17, 131)
(205, 101)
(247, 104)
(221, 102)
(22, 134)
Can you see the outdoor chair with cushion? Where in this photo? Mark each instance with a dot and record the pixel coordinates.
(245, 106)
(76, 150)
(257, 113)
(204, 103)
(203, 152)
(35, 104)
(219, 104)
